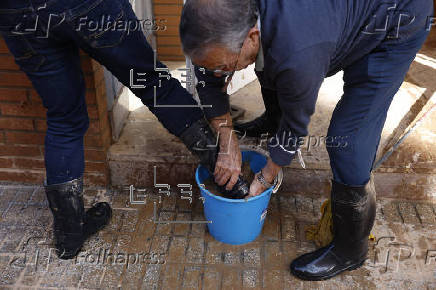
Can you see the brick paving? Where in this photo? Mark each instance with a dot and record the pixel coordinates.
(136, 252)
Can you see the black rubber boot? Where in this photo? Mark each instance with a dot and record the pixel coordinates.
(267, 123)
(353, 211)
(201, 141)
(66, 203)
(96, 218)
(71, 225)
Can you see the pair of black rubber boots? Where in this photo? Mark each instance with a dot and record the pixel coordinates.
(71, 224)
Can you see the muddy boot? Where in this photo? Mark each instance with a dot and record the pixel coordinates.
(96, 218)
(201, 141)
(267, 123)
(353, 211)
(66, 203)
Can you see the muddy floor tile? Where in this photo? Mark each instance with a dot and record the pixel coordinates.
(304, 207)
(391, 212)
(291, 250)
(198, 229)
(177, 250)
(272, 279)
(140, 243)
(232, 255)
(130, 220)
(214, 252)
(426, 213)
(115, 222)
(251, 255)
(184, 205)
(151, 277)
(271, 228)
(131, 279)
(288, 228)
(231, 278)
(195, 252)
(211, 279)
(165, 228)
(172, 276)
(192, 278)
(159, 244)
(38, 196)
(408, 213)
(168, 202)
(182, 228)
(92, 277)
(287, 205)
(123, 243)
(121, 200)
(24, 194)
(251, 279)
(146, 228)
(10, 274)
(273, 255)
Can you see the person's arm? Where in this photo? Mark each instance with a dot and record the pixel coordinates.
(211, 93)
(297, 92)
(228, 165)
(213, 97)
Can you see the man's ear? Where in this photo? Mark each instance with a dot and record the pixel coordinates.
(253, 35)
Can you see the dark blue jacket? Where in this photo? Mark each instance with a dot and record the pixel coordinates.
(305, 41)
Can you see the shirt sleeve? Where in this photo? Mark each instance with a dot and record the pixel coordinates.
(297, 91)
(214, 100)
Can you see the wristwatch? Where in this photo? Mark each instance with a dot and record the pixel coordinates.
(265, 183)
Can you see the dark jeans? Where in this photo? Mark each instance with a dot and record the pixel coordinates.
(49, 56)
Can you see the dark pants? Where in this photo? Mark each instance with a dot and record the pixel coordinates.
(369, 87)
(50, 57)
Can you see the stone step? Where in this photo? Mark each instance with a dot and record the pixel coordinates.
(147, 154)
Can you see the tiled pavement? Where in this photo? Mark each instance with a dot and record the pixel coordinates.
(134, 252)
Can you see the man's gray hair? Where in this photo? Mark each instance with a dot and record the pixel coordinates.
(216, 22)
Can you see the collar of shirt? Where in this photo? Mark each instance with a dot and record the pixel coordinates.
(259, 59)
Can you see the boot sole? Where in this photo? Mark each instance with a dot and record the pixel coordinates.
(328, 276)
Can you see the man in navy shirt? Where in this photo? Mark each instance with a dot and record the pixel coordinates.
(295, 45)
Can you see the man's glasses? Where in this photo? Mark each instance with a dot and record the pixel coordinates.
(229, 74)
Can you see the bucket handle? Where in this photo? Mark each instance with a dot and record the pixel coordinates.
(279, 181)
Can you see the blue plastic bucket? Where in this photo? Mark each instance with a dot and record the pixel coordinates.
(235, 221)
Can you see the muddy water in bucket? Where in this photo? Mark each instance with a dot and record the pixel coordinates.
(235, 221)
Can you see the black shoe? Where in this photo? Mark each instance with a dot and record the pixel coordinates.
(267, 123)
(66, 203)
(262, 125)
(353, 211)
(97, 217)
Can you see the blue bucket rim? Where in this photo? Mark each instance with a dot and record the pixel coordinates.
(197, 179)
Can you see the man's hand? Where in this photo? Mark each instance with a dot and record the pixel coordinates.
(269, 172)
(229, 160)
